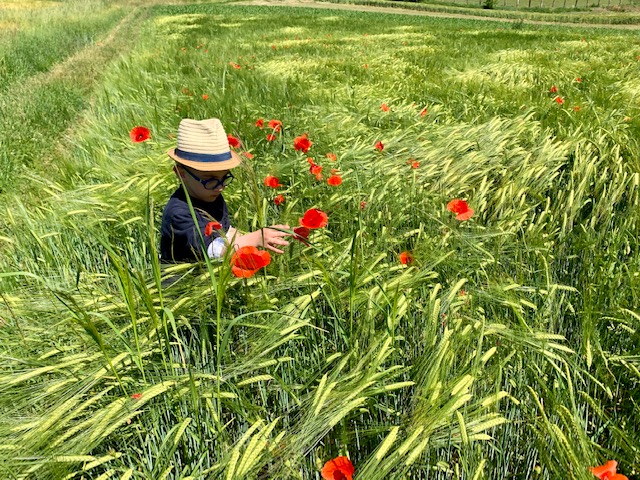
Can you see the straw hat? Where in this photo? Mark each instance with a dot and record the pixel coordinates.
(203, 145)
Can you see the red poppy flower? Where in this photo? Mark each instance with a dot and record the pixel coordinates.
(301, 234)
(315, 169)
(211, 226)
(415, 164)
(249, 155)
(310, 161)
(379, 145)
(136, 396)
(246, 261)
(363, 204)
(461, 209)
(314, 218)
(579, 80)
(275, 125)
(302, 143)
(384, 107)
(332, 157)
(271, 181)
(205, 96)
(607, 471)
(271, 137)
(260, 123)
(235, 65)
(334, 180)
(553, 89)
(559, 100)
(279, 200)
(233, 141)
(339, 468)
(423, 112)
(139, 134)
(406, 258)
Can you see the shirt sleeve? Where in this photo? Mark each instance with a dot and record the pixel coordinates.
(216, 248)
(183, 236)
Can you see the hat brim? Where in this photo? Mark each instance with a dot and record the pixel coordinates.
(233, 162)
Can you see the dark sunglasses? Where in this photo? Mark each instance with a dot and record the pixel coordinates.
(212, 183)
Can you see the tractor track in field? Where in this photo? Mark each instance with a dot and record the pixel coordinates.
(424, 13)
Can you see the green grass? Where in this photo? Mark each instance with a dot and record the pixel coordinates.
(48, 71)
(508, 349)
(523, 11)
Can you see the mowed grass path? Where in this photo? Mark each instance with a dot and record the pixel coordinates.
(508, 348)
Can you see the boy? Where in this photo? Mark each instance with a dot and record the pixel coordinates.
(203, 163)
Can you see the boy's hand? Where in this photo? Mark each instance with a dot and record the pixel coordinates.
(268, 238)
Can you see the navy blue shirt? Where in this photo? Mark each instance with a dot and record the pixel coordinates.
(180, 240)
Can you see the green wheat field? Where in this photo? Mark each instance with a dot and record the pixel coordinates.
(509, 348)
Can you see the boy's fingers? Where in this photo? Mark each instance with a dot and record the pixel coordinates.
(279, 241)
(280, 227)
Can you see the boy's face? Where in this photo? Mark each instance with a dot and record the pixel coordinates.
(194, 180)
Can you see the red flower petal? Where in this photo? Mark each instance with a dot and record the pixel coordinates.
(423, 112)
(136, 396)
(271, 137)
(210, 227)
(332, 157)
(279, 199)
(233, 141)
(302, 143)
(384, 107)
(466, 215)
(246, 261)
(334, 180)
(271, 181)
(553, 89)
(260, 123)
(275, 125)
(315, 169)
(139, 134)
(406, 258)
(314, 218)
(604, 472)
(461, 209)
(339, 468)
(301, 234)
(457, 206)
(379, 145)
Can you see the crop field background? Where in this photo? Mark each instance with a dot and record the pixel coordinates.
(509, 347)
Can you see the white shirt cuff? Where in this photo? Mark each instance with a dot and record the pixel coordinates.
(216, 248)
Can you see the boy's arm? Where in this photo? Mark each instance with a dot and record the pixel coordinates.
(269, 238)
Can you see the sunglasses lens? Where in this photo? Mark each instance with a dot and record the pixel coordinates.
(227, 180)
(216, 183)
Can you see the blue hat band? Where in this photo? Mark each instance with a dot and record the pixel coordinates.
(203, 157)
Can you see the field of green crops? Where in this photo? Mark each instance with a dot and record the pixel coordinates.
(509, 347)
